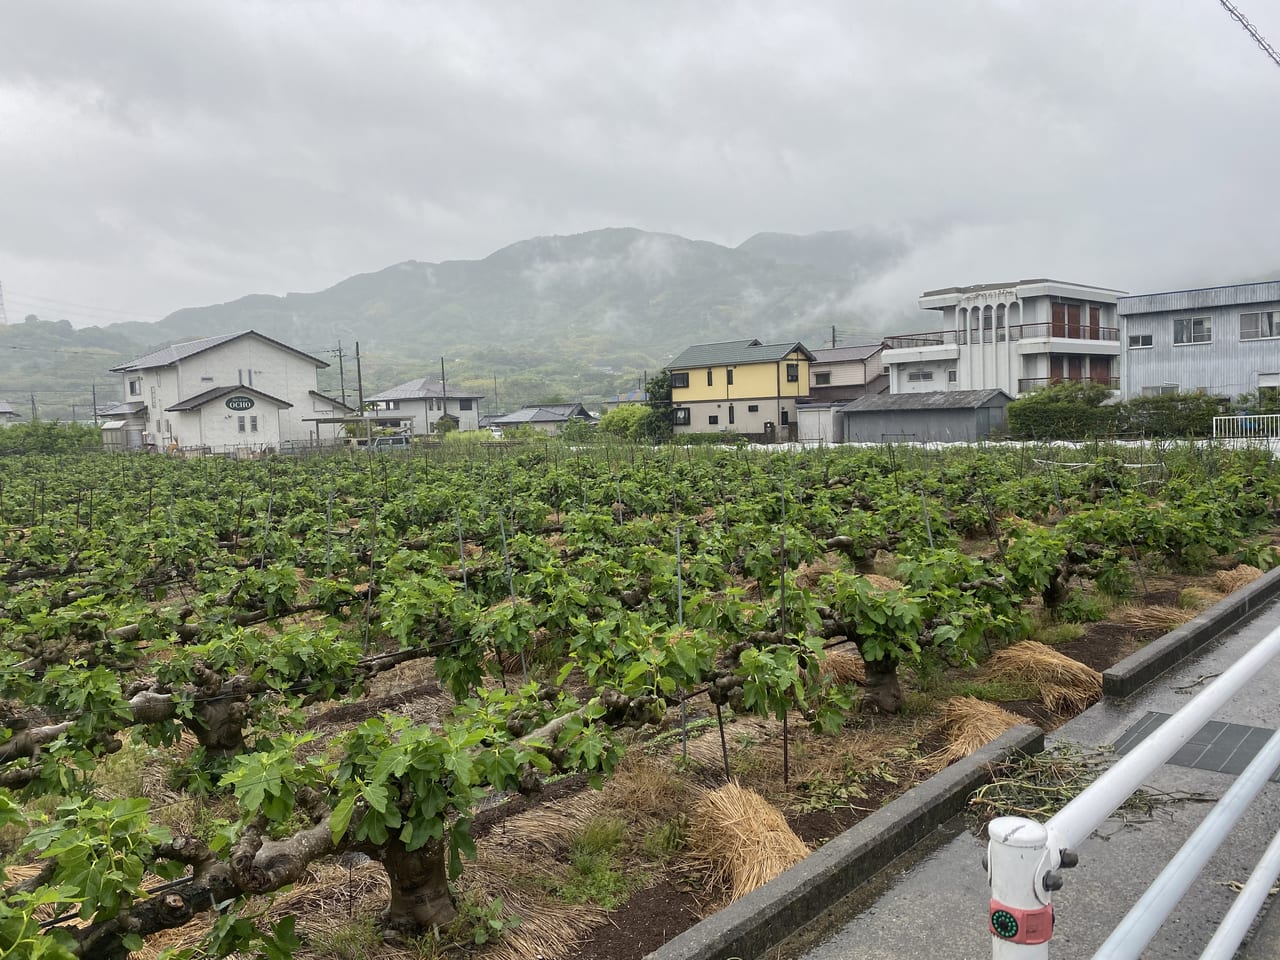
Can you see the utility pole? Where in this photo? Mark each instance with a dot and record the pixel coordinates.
(359, 379)
(73, 412)
(496, 408)
(34, 416)
(833, 336)
(444, 391)
(95, 403)
(342, 374)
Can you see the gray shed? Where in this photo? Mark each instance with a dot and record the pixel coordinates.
(946, 416)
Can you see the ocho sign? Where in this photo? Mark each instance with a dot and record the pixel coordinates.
(239, 402)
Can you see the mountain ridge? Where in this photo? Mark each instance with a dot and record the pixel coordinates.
(563, 316)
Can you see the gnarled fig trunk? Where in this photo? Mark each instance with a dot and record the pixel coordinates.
(882, 690)
(420, 895)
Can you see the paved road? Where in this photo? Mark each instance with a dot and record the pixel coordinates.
(933, 903)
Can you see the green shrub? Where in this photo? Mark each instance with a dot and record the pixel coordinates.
(1063, 411)
(1171, 415)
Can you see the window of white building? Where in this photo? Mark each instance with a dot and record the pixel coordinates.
(1260, 325)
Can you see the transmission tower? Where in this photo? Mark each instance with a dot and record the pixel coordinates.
(4, 317)
(1250, 29)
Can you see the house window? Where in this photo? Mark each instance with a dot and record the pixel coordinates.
(1259, 326)
(240, 424)
(918, 375)
(786, 417)
(709, 377)
(713, 420)
(822, 379)
(1160, 390)
(253, 424)
(153, 398)
(951, 376)
(1137, 340)
(1193, 330)
(464, 404)
(753, 408)
(731, 413)
(680, 381)
(206, 379)
(135, 387)
(728, 379)
(682, 414)
(391, 405)
(793, 373)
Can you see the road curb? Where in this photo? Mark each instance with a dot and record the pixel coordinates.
(751, 926)
(1135, 671)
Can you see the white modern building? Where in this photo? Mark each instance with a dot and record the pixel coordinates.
(1013, 337)
(236, 392)
(424, 402)
(1218, 340)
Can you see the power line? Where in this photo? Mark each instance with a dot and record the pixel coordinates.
(1250, 29)
(67, 304)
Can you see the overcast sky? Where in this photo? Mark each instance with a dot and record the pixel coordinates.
(155, 155)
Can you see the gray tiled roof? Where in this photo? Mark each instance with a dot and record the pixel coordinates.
(215, 393)
(421, 389)
(845, 354)
(166, 356)
(935, 400)
(123, 409)
(734, 351)
(547, 413)
(6, 408)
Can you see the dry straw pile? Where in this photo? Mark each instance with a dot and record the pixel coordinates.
(843, 666)
(742, 840)
(968, 723)
(1228, 581)
(1158, 617)
(1066, 685)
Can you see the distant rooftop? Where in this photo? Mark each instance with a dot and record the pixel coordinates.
(735, 351)
(167, 356)
(422, 389)
(845, 354)
(934, 400)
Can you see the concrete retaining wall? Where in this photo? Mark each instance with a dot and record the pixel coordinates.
(760, 920)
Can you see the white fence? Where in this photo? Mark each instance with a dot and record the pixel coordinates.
(1024, 857)
(1250, 426)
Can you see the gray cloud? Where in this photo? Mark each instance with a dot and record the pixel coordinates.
(163, 155)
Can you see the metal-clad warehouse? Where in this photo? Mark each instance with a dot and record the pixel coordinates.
(946, 416)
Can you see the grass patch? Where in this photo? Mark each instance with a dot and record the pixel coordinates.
(1052, 634)
(595, 877)
(353, 939)
(667, 839)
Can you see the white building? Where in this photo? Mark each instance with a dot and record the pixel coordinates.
(1013, 337)
(423, 402)
(1219, 340)
(240, 391)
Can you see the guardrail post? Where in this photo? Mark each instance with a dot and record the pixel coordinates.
(1019, 864)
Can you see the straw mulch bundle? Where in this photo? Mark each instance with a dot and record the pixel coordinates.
(843, 666)
(741, 839)
(545, 826)
(1228, 581)
(1158, 617)
(881, 582)
(968, 724)
(808, 575)
(1197, 598)
(1066, 685)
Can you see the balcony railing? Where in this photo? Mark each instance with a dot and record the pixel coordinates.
(1069, 331)
(915, 340)
(1018, 331)
(1037, 383)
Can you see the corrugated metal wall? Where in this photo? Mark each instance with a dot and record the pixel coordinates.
(1226, 365)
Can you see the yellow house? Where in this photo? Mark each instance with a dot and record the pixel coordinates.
(742, 386)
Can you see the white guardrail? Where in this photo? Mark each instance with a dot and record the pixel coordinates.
(1024, 857)
(1250, 426)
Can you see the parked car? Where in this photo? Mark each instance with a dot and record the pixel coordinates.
(391, 443)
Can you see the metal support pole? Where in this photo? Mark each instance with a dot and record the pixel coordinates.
(1021, 915)
(1142, 922)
